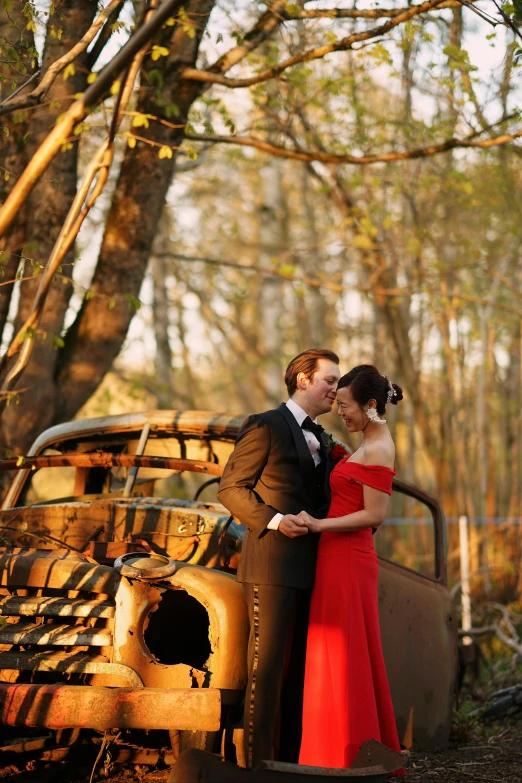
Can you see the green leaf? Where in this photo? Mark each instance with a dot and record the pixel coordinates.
(56, 340)
(133, 301)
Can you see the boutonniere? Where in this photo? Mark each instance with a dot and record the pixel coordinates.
(336, 450)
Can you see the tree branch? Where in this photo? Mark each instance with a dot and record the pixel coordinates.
(262, 29)
(105, 34)
(348, 13)
(385, 157)
(316, 53)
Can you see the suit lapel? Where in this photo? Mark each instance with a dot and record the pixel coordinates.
(303, 452)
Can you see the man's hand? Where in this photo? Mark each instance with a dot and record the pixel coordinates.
(313, 525)
(292, 526)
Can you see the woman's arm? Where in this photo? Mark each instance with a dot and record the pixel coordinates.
(372, 515)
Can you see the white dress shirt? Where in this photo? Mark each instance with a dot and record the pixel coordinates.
(313, 444)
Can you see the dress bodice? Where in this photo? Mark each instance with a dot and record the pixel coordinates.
(346, 484)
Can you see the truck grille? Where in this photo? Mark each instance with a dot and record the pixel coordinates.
(58, 615)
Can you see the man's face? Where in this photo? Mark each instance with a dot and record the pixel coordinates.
(321, 389)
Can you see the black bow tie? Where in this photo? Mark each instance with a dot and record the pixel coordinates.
(311, 426)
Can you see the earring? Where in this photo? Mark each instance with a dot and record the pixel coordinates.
(374, 416)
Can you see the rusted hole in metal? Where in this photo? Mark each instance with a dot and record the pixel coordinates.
(178, 631)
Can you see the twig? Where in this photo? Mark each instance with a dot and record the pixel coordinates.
(22, 86)
(508, 20)
(487, 18)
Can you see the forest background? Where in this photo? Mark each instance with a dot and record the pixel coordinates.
(353, 183)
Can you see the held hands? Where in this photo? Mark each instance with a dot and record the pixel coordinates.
(295, 525)
(292, 526)
(312, 524)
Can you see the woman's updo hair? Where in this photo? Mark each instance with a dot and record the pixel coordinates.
(367, 383)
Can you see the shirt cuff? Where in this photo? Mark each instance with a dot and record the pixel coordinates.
(274, 522)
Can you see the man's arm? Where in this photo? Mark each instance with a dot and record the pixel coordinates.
(241, 474)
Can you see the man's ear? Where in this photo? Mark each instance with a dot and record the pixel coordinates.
(301, 380)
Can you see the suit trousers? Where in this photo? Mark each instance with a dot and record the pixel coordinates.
(276, 663)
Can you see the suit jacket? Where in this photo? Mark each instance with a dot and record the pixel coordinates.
(272, 470)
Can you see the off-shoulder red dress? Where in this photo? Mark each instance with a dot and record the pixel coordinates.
(346, 693)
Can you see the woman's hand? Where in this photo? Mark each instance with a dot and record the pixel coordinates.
(313, 525)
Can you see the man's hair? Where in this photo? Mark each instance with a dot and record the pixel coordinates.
(306, 362)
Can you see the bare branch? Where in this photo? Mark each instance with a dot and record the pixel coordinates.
(316, 53)
(349, 13)
(262, 29)
(101, 41)
(384, 157)
(22, 87)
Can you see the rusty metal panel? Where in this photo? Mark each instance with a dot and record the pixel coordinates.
(79, 706)
(34, 606)
(222, 598)
(55, 635)
(70, 663)
(35, 568)
(419, 636)
(106, 459)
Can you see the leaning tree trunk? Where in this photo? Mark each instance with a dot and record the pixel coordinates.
(15, 133)
(47, 209)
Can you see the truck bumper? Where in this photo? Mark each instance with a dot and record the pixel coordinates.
(91, 707)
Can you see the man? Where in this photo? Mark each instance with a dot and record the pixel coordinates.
(279, 467)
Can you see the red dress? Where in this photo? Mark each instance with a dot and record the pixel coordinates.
(346, 693)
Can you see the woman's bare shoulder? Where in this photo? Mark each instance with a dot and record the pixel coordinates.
(380, 452)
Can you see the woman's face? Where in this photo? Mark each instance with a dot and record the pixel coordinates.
(350, 411)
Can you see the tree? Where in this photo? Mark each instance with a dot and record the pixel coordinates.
(181, 103)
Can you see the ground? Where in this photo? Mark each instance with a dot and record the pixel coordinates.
(490, 754)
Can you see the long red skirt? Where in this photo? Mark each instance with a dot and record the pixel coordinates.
(347, 698)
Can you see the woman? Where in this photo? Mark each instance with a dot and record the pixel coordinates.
(346, 695)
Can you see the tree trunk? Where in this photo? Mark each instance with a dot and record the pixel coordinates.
(15, 133)
(272, 242)
(161, 323)
(94, 340)
(47, 210)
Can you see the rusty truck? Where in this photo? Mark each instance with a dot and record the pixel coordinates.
(119, 608)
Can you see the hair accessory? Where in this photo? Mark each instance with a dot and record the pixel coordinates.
(391, 390)
(374, 416)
